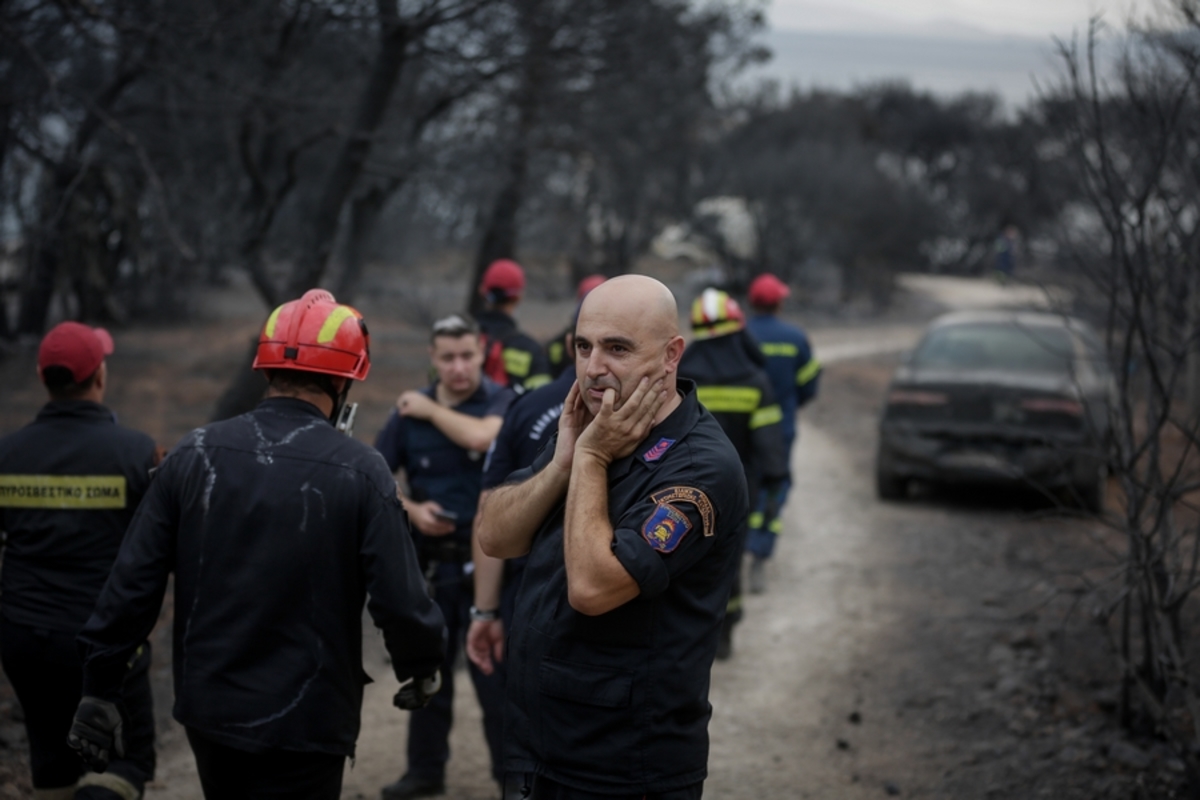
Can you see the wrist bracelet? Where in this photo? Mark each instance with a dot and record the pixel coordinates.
(484, 616)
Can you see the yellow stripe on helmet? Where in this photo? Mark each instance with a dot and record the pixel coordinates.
(333, 322)
(269, 330)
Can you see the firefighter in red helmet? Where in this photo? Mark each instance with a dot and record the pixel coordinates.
(512, 357)
(277, 528)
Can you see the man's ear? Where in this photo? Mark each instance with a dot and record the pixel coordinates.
(675, 347)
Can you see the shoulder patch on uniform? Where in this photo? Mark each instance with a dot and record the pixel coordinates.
(658, 451)
(695, 497)
(666, 527)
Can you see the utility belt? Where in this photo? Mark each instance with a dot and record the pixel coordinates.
(443, 550)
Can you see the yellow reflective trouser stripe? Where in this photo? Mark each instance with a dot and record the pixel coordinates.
(756, 523)
(62, 491)
(734, 604)
(808, 372)
(779, 349)
(332, 323)
(737, 399)
(535, 381)
(767, 415)
(272, 320)
(517, 362)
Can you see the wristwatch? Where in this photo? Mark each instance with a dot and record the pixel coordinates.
(484, 616)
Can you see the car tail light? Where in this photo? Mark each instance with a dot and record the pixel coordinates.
(1053, 405)
(909, 397)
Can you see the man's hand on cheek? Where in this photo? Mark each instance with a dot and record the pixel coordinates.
(616, 432)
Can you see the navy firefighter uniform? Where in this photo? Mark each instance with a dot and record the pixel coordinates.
(438, 469)
(617, 704)
(69, 484)
(795, 378)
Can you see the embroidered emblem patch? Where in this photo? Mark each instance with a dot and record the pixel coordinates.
(695, 497)
(665, 528)
(658, 451)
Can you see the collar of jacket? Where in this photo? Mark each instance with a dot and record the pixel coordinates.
(674, 427)
(84, 409)
(291, 406)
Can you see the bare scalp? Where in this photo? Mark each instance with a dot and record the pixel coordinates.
(640, 306)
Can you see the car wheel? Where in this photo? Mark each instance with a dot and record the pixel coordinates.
(889, 486)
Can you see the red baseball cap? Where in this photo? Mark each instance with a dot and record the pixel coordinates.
(587, 284)
(76, 347)
(767, 290)
(503, 275)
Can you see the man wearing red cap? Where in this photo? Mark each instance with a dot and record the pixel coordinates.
(795, 375)
(69, 484)
(511, 357)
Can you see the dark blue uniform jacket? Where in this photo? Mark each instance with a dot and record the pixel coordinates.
(435, 467)
(795, 374)
(618, 703)
(530, 422)
(69, 484)
(277, 528)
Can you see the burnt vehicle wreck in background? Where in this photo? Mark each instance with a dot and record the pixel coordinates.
(1000, 397)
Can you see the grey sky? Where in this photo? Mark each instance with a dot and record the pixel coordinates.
(1036, 18)
(944, 46)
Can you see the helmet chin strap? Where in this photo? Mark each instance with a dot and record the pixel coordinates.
(338, 398)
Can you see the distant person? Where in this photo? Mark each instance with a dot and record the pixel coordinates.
(277, 527)
(511, 357)
(557, 352)
(69, 484)
(795, 379)
(634, 529)
(437, 438)
(1006, 254)
(731, 383)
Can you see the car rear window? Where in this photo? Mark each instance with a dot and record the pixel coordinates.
(996, 346)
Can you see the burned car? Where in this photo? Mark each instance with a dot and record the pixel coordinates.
(1000, 396)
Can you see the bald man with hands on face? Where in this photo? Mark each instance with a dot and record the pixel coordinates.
(634, 519)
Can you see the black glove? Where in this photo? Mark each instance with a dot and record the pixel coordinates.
(96, 733)
(417, 692)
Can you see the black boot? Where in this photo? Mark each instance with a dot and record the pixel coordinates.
(413, 786)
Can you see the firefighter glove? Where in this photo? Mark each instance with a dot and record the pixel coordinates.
(417, 692)
(96, 733)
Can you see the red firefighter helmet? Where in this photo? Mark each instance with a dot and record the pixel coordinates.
(315, 334)
(504, 279)
(715, 313)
